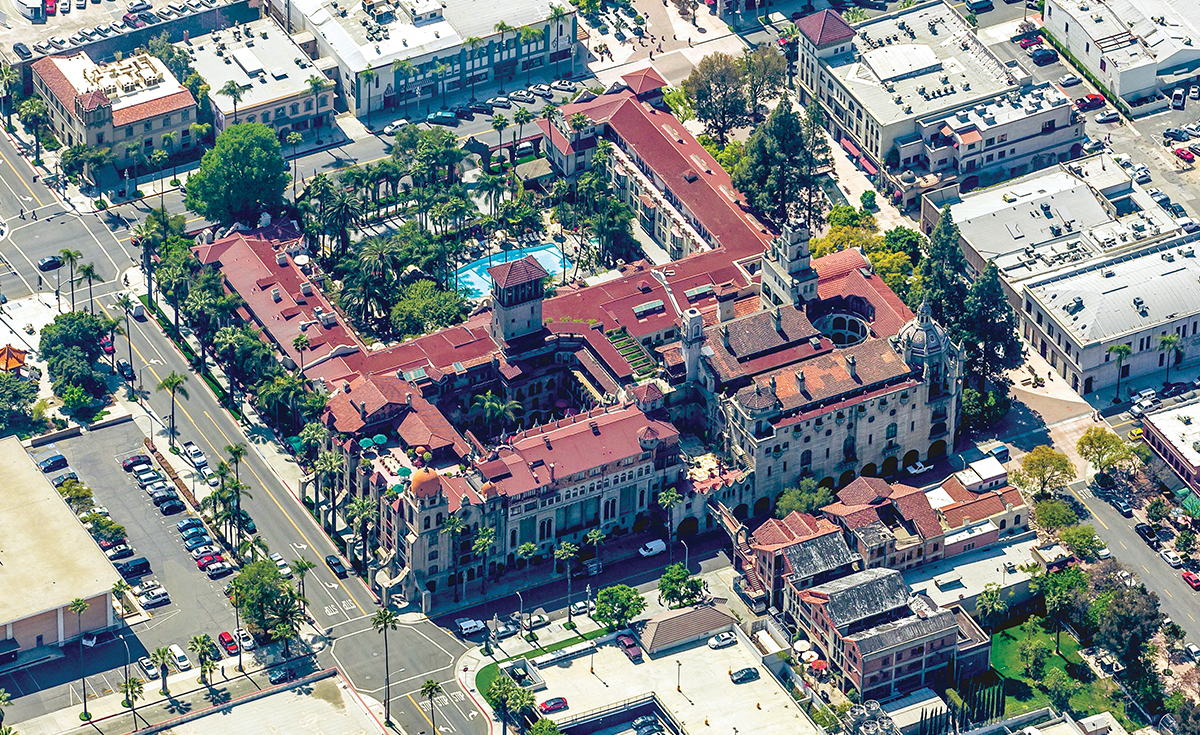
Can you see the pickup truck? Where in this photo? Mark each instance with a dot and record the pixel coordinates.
(194, 455)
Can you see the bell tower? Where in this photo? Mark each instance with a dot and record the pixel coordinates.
(787, 274)
(517, 293)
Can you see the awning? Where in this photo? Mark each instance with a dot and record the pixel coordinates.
(850, 147)
(647, 202)
(868, 166)
(971, 136)
(946, 131)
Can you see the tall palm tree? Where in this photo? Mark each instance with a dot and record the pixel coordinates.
(365, 78)
(472, 43)
(491, 188)
(327, 464)
(481, 546)
(173, 383)
(235, 92)
(566, 553)
(300, 344)
(405, 66)
(236, 452)
(440, 70)
(667, 500)
(499, 123)
(201, 645)
(161, 657)
(382, 621)
(35, 115)
(254, 548)
(133, 689)
(1170, 344)
(71, 258)
(285, 617)
(495, 409)
(8, 79)
(502, 27)
(596, 537)
(530, 35)
(124, 302)
(1119, 352)
(521, 116)
(362, 511)
(342, 215)
(302, 567)
(557, 15)
(79, 606)
(316, 85)
(429, 690)
(452, 527)
(88, 272)
(168, 141)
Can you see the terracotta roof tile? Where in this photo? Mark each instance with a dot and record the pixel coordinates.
(516, 272)
(180, 100)
(644, 80)
(985, 506)
(825, 27)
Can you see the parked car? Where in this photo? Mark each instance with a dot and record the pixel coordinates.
(630, 647)
(148, 668)
(1194, 652)
(285, 571)
(464, 112)
(1029, 42)
(917, 468)
(205, 562)
(654, 547)
(1194, 92)
(189, 523)
(280, 675)
(1178, 99)
(542, 90)
(521, 95)
(393, 126)
(1178, 211)
(336, 566)
(742, 676)
(220, 569)
(1135, 434)
(505, 630)
(499, 101)
(1069, 80)
(1171, 558)
(228, 643)
(538, 620)
(555, 704)
(52, 462)
(1123, 508)
(442, 117)
(131, 20)
(50, 6)
(120, 551)
(155, 598)
(583, 607)
(125, 370)
(202, 551)
(1185, 154)
(1089, 102)
(1145, 531)
(22, 50)
(245, 640)
(1176, 134)
(481, 107)
(1043, 56)
(469, 626)
(1141, 175)
(722, 640)
(182, 662)
(196, 542)
(564, 85)
(1192, 579)
(1108, 116)
(643, 722)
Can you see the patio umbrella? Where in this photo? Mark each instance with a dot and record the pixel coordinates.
(379, 440)
(820, 665)
(809, 656)
(801, 646)
(365, 443)
(404, 472)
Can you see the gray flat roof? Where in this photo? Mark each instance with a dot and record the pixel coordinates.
(1180, 425)
(963, 576)
(913, 50)
(1138, 291)
(46, 558)
(270, 51)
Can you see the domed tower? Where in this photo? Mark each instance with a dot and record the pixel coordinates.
(925, 346)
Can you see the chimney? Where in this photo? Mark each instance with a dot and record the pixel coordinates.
(362, 410)
(408, 399)
(306, 288)
(281, 258)
(346, 386)
(777, 317)
(800, 380)
(851, 367)
(772, 383)
(551, 472)
(725, 337)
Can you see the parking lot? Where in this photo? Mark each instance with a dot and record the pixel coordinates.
(198, 605)
(706, 697)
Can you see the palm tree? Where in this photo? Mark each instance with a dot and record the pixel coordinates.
(429, 690)
(34, 114)
(71, 258)
(473, 43)
(161, 657)
(120, 588)
(87, 272)
(496, 409)
(566, 553)
(403, 65)
(254, 548)
(173, 383)
(302, 567)
(440, 70)
(453, 526)
(557, 15)
(363, 512)
(481, 546)
(529, 34)
(596, 537)
(1120, 352)
(502, 28)
(316, 85)
(500, 693)
(285, 617)
(168, 141)
(382, 621)
(667, 500)
(235, 92)
(491, 188)
(79, 606)
(341, 216)
(300, 344)
(327, 464)
(133, 691)
(990, 606)
(199, 132)
(8, 78)
(520, 700)
(236, 452)
(499, 123)
(207, 668)
(521, 116)
(526, 551)
(201, 645)
(1169, 343)
(365, 77)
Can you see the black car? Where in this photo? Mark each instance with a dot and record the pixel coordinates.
(22, 50)
(1175, 389)
(53, 462)
(464, 112)
(1146, 532)
(644, 721)
(1176, 134)
(336, 566)
(278, 676)
(49, 263)
(148, 17)
(1043, 56)
(125, 370)
(163, 497)
(742, 676)
(1177, 210)
(171, 507)
(481, 107)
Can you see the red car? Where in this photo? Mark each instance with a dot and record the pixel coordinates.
(553, 705)
(106, 344)
(51, 7)
(630, 647)
(205, 562)
(1030, 41)
(1089, 102)
(1192, 579)
(1185, 154)
(106, 545)
(130, 462)
(228, 643)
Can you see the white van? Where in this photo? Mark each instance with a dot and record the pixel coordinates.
(653, 548)
(182, 662)
(469, 627)
(1146, 393)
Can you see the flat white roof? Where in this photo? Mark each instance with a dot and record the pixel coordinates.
(130, 81)
(974, 570)
(1180, 427)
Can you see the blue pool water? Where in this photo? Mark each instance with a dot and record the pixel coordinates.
(473, 278)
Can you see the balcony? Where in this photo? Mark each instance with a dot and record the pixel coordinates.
(848, 463)
(891, 449)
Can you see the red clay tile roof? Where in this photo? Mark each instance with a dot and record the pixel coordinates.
(825, 27)
(853, 516)
(841, 274)
(914, 506)
(827, 375)
(644, 80)
(387, 398)
(646, 393)
(516, 272)
(985, 506)
(956, 490)
(57, 82)
(864, 491)
(132, 114)
(794, 528)
(93, 100)
(561, 142)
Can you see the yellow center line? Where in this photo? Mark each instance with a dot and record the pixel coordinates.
(1190, 616)
(1168, 593)
(410, 698)
(1089, 509)
(260, 480)
(14, 168)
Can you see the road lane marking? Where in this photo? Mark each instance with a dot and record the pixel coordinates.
(1089, 509)
(22, 180)
(410, 698)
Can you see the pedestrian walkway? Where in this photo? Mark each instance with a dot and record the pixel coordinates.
(853, 181)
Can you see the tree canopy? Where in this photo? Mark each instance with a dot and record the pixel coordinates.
(806, 497)
(617, 605)
(1043, 470)
(716, 90)
(242, 176)
(1052, 515)
(987, 327)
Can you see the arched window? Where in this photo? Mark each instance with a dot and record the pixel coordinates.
(805, 458)
(426, 523)
(439, 519)
(433, 569)
(848, 448)
(891, 431)
(433, 555)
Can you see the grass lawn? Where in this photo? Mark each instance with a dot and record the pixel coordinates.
(489, 673)
(1023, 694)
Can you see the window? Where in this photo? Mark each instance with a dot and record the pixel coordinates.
(425, 525)
(1003, 137)
(99, 138)
(129, 131)
(295, 108)
(279, 111)
(324, 101)
(149, 145)
(186, 115)
(308, 105)
(252, 118)
(266, 117)
(989, 141)
(433, 555)
(148, 126)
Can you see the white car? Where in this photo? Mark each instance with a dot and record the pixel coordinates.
(209, 476)
(285, 571)
(917, 468)
(1141, 175)
(393, 126)
(1104, 553)
(1069, 80)
(653, 548)
(204, 551)
(1194, 652)
(722, 640)
(182, 662)
(244, 639)
(583, 607)
(564, 85)
(1188, 224)
(1107, 116)
(1171, 558)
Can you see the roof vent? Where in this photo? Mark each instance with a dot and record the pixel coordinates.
(281, 258)
(275, 295)
(594, 427)
(306, 288)
(327, 318)
(1109, 273)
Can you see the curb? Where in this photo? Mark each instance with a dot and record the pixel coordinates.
(467, 687)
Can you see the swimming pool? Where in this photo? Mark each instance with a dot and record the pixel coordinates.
(473, 278)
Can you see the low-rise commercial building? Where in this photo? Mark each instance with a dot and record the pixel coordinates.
(960, 579)
(281, 87)
(1174, 435)
(47, 560)
(133, 106)
(917, 99)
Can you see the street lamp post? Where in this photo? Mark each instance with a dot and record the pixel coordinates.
(141, 387)
(521, 612)
(686, 553)
(678, 669)
(132, 706)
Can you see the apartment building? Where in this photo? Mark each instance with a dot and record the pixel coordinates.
(133, 106)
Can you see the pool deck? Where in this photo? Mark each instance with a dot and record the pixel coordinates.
(473, 276)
